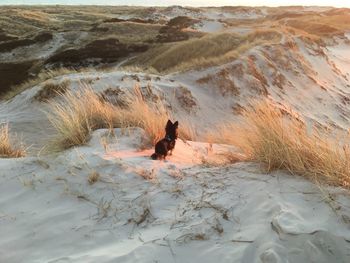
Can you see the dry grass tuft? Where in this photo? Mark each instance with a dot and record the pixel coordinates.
(187, 131)
(266, 135)
(152, 118)
(73, 117)
(8, 148)
(93, 177)
(78, 113)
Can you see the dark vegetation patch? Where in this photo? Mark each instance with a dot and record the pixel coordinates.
(237, 109)
(51, 90)
(131, 77)
(14, 74)
(123, 98)
(105, 51)
(186, 99)
(221, 80)
(116, 96)
(169, 34)
(149, 95)
(11, 45)
(114, 20)
(4, 37)
(43, 37)
(255, 71)
(134, 20)
(172, 32)
(181, 22)
(99, 29)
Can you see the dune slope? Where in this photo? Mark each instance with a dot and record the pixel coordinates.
(180, 210)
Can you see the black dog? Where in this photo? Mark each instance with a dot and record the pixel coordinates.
(168, 143)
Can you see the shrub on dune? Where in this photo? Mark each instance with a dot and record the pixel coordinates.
(266, 135)
(9, 148)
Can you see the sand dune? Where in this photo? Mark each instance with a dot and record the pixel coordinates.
(178, 210)
(107, 201)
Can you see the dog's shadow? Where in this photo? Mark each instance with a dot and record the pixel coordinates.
(128, 154)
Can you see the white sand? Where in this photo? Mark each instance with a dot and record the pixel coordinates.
(209, 26)
(184, 211)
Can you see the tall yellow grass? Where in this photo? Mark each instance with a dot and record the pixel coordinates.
(9, 148)
(72, 118)
(141, 114)
(78, 113)
(266, 135)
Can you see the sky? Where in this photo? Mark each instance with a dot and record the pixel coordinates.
(336, 3)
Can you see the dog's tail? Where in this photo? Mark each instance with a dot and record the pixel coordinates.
(154, 156)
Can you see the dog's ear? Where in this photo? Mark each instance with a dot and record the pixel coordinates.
(176, 124)
(168, 124)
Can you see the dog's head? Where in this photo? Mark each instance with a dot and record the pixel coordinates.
(171, 129)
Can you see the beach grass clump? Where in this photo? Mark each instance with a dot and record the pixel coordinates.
(9, 147)
(77, 113)
(268, 135)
